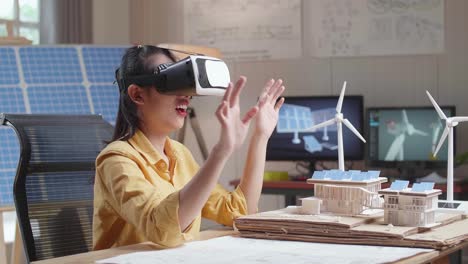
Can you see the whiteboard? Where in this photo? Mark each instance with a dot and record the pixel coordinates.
(376, 27)
(245, 30)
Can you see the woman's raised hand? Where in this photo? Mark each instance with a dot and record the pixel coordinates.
(234, 128)
(269, 105)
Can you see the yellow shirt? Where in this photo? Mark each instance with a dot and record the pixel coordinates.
(136, 195)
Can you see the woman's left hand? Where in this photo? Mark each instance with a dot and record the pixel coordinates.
(269, 105)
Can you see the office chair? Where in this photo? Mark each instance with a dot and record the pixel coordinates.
(53, 188)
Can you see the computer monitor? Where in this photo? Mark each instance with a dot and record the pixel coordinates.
(292, 140)
(400, 137)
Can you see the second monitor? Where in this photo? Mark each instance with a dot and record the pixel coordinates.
(406, 136)
(293, 140)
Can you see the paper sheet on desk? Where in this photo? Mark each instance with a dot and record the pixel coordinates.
(245, 250)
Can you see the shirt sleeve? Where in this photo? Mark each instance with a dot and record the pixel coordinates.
(139, 202)
(224, 206)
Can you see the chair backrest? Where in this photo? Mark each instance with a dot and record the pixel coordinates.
(53, 188)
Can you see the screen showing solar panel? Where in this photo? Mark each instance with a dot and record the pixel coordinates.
(294, 140)
(293, 118)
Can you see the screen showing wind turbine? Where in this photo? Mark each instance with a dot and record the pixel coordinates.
(294, 140)
(408, 134)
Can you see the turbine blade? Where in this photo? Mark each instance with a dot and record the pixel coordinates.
(460, 118)
(419, 132)
(340, 100)
(441, 141)
(436, 106)
(404, 116)
(323, 124)
(352, 128)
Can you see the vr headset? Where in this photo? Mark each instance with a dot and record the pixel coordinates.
(194, 75)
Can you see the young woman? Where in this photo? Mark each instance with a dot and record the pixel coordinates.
(149, 187)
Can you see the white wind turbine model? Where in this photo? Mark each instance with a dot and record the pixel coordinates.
(450, 123)
(339, 119)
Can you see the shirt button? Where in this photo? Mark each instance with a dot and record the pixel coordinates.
(161, 165)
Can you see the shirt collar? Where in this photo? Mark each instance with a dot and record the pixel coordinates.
(142, 144)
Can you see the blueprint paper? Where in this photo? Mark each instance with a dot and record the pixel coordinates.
(230, 249)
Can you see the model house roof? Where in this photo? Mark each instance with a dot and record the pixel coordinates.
(351, 177)
(418, 189)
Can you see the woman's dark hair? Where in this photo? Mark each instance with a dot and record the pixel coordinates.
(135, 61)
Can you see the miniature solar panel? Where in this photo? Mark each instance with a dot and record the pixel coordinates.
(399, 185)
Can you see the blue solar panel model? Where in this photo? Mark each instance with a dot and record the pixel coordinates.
(53, 79)
(422, 187)
(352, 175)
(373, 174)
(428, 185)
(318, 175)
(356, 176)
(399, 185)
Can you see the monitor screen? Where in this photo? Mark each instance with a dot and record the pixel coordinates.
(293, 139)
(406, 135)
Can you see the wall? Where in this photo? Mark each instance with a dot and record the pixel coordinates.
(384, 81)
(111, 22)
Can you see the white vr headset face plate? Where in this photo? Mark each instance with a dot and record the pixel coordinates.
(217, 74)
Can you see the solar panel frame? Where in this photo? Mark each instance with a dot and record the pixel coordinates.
(63, 79)
(8, 67)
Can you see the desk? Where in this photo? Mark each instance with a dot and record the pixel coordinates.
(91, 257)
(292, 189)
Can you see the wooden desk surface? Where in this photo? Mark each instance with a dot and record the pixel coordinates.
(90, 257)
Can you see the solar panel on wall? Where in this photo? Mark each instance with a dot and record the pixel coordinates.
(53, 79)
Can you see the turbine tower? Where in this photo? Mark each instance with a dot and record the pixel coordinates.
(450, 123)
(339, 120)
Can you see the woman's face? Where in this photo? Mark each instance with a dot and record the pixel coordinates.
(162, 113)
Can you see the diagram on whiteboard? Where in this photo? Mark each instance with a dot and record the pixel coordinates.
(245, 30)
(376, 27)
